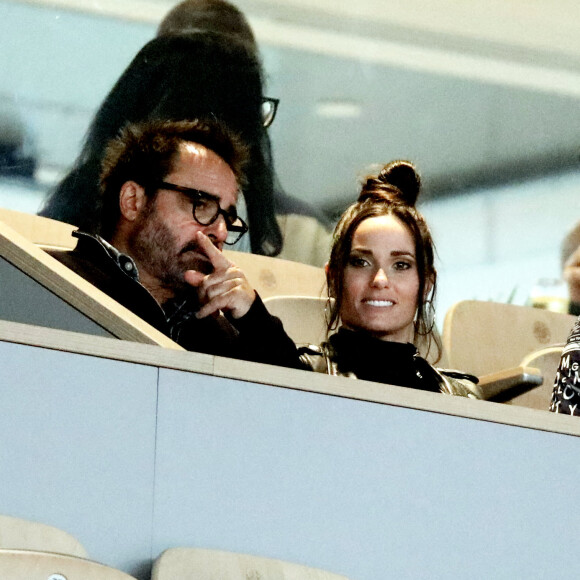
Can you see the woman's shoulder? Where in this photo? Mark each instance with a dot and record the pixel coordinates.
(460, 383)
(322, 359)
(455, 374)
(315, 357)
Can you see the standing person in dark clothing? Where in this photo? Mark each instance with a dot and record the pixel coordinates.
(304, 236)
(198, 75)
(381, 283)
(169, 194)
(204, 63)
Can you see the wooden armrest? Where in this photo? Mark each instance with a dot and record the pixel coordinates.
(495, 384)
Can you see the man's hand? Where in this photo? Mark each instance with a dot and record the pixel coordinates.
(226, 288)
(572, 275)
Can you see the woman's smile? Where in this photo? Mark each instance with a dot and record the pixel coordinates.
(378, 303)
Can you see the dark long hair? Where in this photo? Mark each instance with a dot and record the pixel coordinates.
(393, 191)
(201, 74)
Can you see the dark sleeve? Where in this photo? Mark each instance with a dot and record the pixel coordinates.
(574, 308)
(566, 393)
(263, 339)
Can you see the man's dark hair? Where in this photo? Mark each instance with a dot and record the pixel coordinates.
(145, 153)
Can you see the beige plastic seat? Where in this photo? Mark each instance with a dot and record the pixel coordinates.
(200, 564)
(43, 232)
(19, 534)
(512, 349)
(31, 565)
(303, 317)
(546, 360)
(276, 277)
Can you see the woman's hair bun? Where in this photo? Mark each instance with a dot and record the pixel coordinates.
(404, 176)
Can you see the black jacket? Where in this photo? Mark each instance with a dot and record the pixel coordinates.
(257, 336)
(361, 356)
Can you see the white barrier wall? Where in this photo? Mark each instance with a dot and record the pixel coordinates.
(365, 480)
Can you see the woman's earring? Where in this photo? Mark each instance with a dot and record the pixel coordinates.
(429, 315)
(328, 314)
(424, 325)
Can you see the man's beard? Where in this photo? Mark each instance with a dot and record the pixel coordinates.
(154, 248)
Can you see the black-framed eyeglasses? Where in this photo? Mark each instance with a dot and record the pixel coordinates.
(269, 108)
(206, 210)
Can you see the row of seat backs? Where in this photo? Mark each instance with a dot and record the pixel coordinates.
(514, 349)
(478, 337)
(35, 551)
(175, 563)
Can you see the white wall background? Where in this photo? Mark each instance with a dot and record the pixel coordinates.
(499, 242)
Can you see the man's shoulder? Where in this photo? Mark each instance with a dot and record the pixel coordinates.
(93, 260)
(88, 259)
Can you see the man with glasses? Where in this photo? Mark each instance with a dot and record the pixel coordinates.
(169, 193)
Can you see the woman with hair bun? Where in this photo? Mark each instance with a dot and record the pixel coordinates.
(381, 283)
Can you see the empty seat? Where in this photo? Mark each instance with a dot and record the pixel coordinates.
(546, 360)
(303, 317)
(513, 349)
(200, 564)
(44, 232)
(485, 337)
(31, 565)
(19, 534)
(276, 277)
